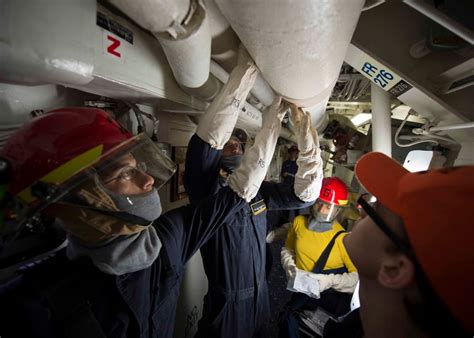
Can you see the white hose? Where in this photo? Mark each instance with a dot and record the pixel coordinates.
(411, 143)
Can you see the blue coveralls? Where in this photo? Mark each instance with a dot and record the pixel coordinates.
(291, 167)
(237, 303)
(62, 298)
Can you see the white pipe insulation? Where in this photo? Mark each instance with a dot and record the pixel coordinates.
(157, 16)
(261, 90)
(182, 27)
(299, 46)
(381, 120)
(250, 118)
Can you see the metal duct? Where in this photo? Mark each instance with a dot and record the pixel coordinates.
(183, 30)
(299, 46)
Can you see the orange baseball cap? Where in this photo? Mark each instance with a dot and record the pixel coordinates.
(437, 209)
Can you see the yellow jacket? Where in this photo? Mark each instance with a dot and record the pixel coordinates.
(309, 245)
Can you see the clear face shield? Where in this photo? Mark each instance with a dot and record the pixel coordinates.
(325, 212)
(124, 170)
(125, 178)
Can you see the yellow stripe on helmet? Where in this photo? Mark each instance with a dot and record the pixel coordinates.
(342, 202)
(65, 171)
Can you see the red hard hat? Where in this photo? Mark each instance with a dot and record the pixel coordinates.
(334, 191)
(46, 145)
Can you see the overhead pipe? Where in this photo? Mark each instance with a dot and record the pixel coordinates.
(299, 46)
(381, 120)
(182, 28)
(208, 91)
(442, 19)
(261, 89)
(225, 42)
(250, 117)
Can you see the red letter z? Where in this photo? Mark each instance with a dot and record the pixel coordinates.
(115, 44)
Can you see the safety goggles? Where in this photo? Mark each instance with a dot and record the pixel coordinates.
(147, 155)
(399, 243)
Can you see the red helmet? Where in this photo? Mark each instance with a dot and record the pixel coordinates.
(334, 191)
(58, 145)
(74, 136)
(58, 162)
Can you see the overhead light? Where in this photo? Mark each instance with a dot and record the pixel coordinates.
(361, 119)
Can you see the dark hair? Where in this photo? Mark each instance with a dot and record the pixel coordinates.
(292, 149)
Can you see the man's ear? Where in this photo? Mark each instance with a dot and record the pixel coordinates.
(396, 271)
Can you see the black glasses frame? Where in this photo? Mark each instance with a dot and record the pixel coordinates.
(140, 167)
(401, 244)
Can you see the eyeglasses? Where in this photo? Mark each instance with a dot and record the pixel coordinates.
(128, 173)
(401, 244)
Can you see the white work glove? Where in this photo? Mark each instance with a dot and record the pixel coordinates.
(344, 282)
(278, 234)
(217, 124)
(308, 178)
(288, 262)
(245, 181)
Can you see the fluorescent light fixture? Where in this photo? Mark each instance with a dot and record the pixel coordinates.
(361, 119)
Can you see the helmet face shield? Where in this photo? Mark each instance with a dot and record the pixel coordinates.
(133, 158)
(131, 168)
(58, 160)
(327, 212)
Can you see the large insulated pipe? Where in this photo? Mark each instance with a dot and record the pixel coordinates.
(381, 116)
(182, 27)
(299, 46)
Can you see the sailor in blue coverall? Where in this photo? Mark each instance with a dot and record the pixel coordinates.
(237, 303)
(120, 274)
